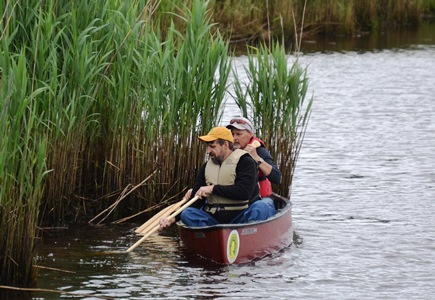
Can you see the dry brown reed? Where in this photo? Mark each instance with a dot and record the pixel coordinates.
(321, 16)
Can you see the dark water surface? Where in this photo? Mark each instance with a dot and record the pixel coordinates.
(363, 203)
(395, 38)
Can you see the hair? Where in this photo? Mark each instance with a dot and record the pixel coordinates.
(221, 142)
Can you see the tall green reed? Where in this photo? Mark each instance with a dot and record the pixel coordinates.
(170, 93)
(23, 168)
(45, 114)
(121, 99)
(94, 93)
(275, 97)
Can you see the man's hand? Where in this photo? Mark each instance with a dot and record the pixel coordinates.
(165, 222)
(205, 191)
(252, 150)
(188, 194)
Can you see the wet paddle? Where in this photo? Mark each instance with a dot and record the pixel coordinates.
(165, 211)
(152, 219)
(155, 220)
(173, 215)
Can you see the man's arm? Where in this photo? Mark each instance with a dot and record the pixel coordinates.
(268, 167)
(199, 182)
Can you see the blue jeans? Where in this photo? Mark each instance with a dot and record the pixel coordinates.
(196, 217)
(257, 211)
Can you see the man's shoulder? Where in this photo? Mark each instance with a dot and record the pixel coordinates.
(247, 158)
(263, 153)
(239, 153)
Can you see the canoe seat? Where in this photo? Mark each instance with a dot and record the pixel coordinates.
(280, 201)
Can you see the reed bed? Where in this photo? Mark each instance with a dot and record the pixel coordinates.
(23, 168)
(95, 98)
(259, 20)
(172, 96)
(275, 97)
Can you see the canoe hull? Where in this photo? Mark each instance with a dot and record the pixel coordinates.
(240, 243)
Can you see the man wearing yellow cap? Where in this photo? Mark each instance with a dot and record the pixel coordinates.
(226, 184)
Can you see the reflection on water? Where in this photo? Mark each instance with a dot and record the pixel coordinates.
(363, 203)
(97, 264)
(393, 38)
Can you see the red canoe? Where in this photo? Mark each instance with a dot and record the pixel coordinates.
(240, 243)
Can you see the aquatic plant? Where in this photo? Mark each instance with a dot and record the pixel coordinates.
(275, 97)
(258, 20)
(22, 170)
(97, 95)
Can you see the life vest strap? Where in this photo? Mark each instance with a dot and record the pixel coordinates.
(215, 207)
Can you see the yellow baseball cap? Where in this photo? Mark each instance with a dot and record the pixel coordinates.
(222, 133)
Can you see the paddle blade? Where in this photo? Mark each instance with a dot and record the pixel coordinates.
(256, 144)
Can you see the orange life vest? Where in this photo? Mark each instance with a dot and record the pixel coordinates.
(264, 183)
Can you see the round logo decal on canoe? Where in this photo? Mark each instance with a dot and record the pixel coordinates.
(233, 245)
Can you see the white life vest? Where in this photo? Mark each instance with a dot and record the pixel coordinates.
(224, 174)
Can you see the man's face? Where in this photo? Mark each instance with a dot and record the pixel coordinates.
(216, 152)
(241, 138)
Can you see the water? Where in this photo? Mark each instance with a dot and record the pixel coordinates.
(363, 203)
(364, 190)
(393, 38)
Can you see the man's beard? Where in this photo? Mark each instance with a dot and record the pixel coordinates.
(217, 159)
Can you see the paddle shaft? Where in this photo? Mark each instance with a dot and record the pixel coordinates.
(155, 220)
(173, 215)
(147, 223)
(158, 215)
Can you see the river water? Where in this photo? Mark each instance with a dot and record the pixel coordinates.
(363, 202)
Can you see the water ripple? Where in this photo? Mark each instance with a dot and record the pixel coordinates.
(363, 203)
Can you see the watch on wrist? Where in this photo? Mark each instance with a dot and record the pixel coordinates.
(259, 161)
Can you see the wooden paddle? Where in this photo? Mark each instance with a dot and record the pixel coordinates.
(173, 215)
(152, 219)
(155, 220)
(256, 144)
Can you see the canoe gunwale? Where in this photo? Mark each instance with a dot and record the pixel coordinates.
(280, 212)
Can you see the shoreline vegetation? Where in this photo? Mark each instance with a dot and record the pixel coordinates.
(259, 20)
(102, 102)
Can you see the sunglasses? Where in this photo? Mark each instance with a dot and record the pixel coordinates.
(238, 121)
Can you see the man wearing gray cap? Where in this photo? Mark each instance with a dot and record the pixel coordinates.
(268, 172)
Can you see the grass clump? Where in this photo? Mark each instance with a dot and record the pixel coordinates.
(275, 92)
